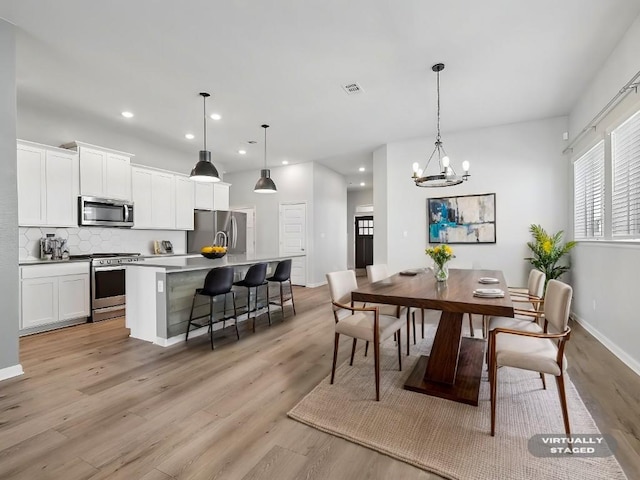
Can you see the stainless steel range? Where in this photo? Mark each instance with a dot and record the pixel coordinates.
(108, 288)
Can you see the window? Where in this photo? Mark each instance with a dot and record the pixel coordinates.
(588, 181)
(625, 197)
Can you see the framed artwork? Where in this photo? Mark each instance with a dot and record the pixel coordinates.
(463, 219)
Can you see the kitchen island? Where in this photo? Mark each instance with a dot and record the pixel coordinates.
(160, 291)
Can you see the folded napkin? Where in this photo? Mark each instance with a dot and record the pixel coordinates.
(488, 293)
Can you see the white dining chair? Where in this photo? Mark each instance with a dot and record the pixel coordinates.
(538, 351)
(365, 323)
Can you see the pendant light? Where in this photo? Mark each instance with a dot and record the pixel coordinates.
(204, 170)
(264, 183)
(446, 176)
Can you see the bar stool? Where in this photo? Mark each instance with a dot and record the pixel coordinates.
(281, 275)
(217, 282)
(254, 278)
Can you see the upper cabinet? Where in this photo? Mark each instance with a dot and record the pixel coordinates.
(104, 172)
(185, 201)
(162, 200)
(212, 196)
(47, 185)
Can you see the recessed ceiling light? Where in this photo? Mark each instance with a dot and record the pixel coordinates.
(285, 162)
(242, 152)
(216, 116)
(189, 136)
(362, 184)
(361, 169)
(127, 114)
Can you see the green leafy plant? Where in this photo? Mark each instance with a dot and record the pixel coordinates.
(547, 251)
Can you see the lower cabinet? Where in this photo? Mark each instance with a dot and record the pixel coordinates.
(51, 294)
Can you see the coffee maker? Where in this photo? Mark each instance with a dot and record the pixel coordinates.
(53, 248)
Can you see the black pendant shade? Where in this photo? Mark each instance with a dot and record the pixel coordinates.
(264, 183)
(204, 170)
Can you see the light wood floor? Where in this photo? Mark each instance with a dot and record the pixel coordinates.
(94, 403)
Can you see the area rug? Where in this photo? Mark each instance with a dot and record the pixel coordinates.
(447, 438)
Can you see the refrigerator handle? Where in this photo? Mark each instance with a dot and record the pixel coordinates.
(234, 231)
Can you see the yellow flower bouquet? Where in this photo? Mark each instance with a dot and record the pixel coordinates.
(440, 254)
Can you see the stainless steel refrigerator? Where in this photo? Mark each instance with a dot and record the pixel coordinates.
(208, 225)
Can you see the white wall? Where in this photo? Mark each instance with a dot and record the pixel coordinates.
(9, 362)
(330, 232)
(521, 163)
(294, 184)
(380, 205)
(605, 274)
(355, 198)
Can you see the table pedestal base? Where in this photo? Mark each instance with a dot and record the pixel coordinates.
(466, 386)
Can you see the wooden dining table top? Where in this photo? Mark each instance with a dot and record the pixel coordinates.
(423, 291)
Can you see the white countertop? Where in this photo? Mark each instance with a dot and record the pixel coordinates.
(185, 263)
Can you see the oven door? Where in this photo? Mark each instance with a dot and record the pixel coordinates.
(107, 292)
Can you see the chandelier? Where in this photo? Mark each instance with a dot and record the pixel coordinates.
(446, 175)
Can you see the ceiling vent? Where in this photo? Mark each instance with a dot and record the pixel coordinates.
(352, 88)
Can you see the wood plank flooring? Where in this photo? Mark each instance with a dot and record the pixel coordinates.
(96, 404)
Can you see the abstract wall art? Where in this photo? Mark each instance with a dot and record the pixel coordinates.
(463, 219)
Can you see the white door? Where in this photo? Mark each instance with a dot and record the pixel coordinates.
(162, 196)
(92, 174)
(39, 301)
(142, 202)
(184, 203)
(293, 239)
(203, 196)
(118, 177)
(220, 196)
(251, 228)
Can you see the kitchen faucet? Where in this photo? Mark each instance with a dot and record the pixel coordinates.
(224, 238)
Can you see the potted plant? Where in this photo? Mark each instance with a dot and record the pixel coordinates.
(547, 251)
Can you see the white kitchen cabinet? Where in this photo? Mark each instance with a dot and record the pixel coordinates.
(163, 210)
(221, 196)
(142, 200)
(47, 179)
(154, 199)
(54, 293)
(104, 173)
(203, 196)
(184, 202)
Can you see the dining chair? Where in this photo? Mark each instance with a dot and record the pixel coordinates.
(376, 273)
(528, 306)
(218, 281)
(541, 352)
(364, 323)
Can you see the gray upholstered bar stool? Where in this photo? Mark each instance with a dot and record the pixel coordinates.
(217, 282)
(281, 275)
(255, 278)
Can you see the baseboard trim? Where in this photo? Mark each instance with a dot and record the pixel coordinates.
(314, 285)
(10, 372)
(629, 361)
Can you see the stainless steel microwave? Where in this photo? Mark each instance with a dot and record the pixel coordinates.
(104, 212)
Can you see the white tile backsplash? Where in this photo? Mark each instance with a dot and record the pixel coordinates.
(83, 240)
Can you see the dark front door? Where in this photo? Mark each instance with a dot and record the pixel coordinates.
(364, 241)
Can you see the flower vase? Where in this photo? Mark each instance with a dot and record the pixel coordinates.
(441, 272)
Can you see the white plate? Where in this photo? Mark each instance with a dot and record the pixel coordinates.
(488, 280)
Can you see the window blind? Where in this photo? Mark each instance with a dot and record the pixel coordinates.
(588, 191)
(625, 198)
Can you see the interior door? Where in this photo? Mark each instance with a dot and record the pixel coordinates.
(293, 239)
(364, 241)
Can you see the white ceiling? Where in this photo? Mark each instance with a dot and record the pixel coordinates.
(283, 62)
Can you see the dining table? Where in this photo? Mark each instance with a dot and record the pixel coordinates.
(453, 369)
